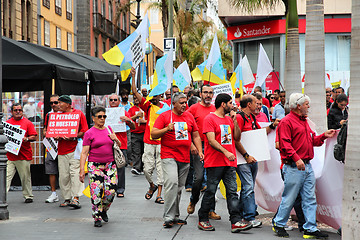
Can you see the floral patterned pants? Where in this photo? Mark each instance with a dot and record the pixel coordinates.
(103, 184)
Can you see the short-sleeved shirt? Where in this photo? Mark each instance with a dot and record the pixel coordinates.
(176, 144)
(66, 147)
(224, 132)
(101, 146)
(151, 115)
(248, 124)
(127, 108)
(261, 117)
(122, 136)
(279, 111)
(200, 112)
(25, 152)
(140, 128)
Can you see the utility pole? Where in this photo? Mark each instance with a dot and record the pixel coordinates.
(171, 18)
(4, 213)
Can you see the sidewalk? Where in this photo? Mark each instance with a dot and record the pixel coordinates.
(132, 217)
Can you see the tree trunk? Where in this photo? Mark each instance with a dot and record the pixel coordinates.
(315, 63)
(292, 65)
(351, 186)
(165, 16)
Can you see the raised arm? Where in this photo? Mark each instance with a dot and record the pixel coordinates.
(133, 85)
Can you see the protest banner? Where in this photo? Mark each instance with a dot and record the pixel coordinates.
(113, 119)
(137, 52)
(63, 125)
(51, 146)
(221, 88)
(15, 136)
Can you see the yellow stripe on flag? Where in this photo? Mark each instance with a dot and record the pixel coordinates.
(196, 75)
(114, 56)
(212, 77)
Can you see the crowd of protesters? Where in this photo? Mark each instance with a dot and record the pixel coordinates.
(193, 144)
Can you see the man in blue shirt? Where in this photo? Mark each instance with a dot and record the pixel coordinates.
(279, 109)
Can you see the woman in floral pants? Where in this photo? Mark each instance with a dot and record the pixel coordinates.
(98, 147)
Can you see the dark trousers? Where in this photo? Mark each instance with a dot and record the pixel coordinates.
(137, 150)
(214, 175)
(121, 176)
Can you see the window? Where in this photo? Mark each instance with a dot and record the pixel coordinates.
(124, 26)
(46, 3)
(69, 42)
(58, 37)
(103, 8)
(58, 7)
(110, 11)
(46, 33)
(104, 47)
(96, 47)
(154, 16)
(95, 6)
(69, 9)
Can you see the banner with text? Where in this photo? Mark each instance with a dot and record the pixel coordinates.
(222, 88)
(63, 125)
(51, 146)
(15, 136)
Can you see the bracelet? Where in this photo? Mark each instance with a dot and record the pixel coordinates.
(272, 126)
(246, 155)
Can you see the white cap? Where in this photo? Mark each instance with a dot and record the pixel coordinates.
(31, 99)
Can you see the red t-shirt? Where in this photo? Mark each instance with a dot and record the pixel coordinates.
(266, 102)
(261, 117)
(25, 152)
(247, 125)
(224, 130)
(66, 147)
(151, 117)
(200, 112)
(140, 128)
(122, 136)
(176, 144)
(275, 102)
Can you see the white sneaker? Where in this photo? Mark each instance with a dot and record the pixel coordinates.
(255, 223)
(288, 228)
(52, 198)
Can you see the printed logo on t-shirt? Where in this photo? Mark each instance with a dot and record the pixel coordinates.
(181, 131)
(226, 134)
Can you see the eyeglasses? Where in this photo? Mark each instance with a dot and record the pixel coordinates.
(209, 93)
(272, 98)
(55, 102)
(115, 100)
(101, 116)
(17, 110)
(181, 103)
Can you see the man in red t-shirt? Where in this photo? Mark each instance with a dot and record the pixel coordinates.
(114, 101)
(177, 129)
(69, 167)
(21, 162)
(200, 111)
(220, 162)
(137, 137)
(151, 157)
(264, 100)
(247, 172)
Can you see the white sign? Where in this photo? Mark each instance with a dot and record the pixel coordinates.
(113, 119)
(222, 88)
(137, 51)
(255, 142)
(15, 136)
(168, 42)
(51, 146)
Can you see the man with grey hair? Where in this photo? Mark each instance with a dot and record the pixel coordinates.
(177, 130)
(296, 142)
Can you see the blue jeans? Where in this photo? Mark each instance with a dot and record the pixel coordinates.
(214, 175)
(247, 174)
(296, 182)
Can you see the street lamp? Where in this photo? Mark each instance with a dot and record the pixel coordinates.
(138, 16)
(4, 213)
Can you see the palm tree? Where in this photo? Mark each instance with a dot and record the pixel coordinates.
(292, 64)
(315, 62)
(350, 205)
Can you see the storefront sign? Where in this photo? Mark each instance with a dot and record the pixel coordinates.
(63, 125)
(15, 136)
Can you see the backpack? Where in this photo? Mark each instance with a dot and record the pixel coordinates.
(340, 146)
(246, 119)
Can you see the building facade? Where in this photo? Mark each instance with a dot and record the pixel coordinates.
(19, 19)
(267, 26)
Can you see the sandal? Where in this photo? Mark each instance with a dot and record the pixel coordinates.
(159, 200)
(65, 203)
(74, 203)
(149, 194)
(120, 195)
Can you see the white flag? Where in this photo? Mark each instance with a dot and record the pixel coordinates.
(248, 76)
(264, 67)
(169, 69)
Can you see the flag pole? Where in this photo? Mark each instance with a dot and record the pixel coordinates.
(279, 80)
(210, 75)
(171, 103)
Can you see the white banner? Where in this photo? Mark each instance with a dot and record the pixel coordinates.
(113, 119)
(221, 88)
(329, 181)
(51, 146)
(15, 136)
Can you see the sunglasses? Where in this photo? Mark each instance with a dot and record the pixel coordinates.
(113, 100)
(272, 98)
(55, 102)
(101, 116)
(17, 110)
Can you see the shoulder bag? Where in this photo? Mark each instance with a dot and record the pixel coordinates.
(118, 154)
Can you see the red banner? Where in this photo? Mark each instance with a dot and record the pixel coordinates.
(63, 125)
(272, 83)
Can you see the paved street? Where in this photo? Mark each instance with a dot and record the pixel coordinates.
(131, 217)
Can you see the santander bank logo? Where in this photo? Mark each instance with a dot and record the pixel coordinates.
(238, 33)
(252, 31)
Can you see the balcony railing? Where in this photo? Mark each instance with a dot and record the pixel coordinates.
(108, 28)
